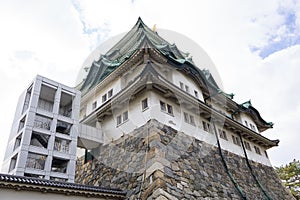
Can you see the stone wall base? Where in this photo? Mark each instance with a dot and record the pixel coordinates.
(157, 162)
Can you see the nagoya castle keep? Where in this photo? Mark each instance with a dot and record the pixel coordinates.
(149, 123)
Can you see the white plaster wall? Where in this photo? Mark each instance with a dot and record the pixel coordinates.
(110, 130)
(115, 85)
(171, 120)
(249, 120)
(236, 149)
(179, 77)
(9, 194)
(137, 118)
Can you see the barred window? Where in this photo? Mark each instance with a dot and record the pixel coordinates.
(122, 118)
(236, 140)
(110, 93)
(166, 108)
(144, 104)
(247, 145)
(222, 134)
(104, 98)
(257, 150)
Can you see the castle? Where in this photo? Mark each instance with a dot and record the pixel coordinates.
(152, 123)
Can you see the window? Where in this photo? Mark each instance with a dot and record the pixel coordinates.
(61, 145)
(119, 120)
(222, 134)
(247, 145)
(186, 117)
(187, 89)
(122, 118)
(236, 140)
(170, 109)
(21, 123)
(207, 127)
(47, 97)
(27, 99)
(163, 106)
(257, 150)
(166, 108)
(204, 126)
(94, 105)
(59, 165)
(110, 93)
(35, 161)
(39, 140)
(13, 162)
(144, 104)
(107, 95)
(42, 122)
(196, 94)
(184, 87)
(189, 118)
(104, 98)
(65, 105)
(252, 127)
(246, 123)
(63, 127)
(125, 116)
(18, 141)
(181, 85)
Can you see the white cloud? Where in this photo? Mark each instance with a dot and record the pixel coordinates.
(278, 99)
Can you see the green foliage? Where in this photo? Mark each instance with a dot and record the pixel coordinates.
(290, 176)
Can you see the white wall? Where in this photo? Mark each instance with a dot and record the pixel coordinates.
(252, 155)
(137, 118)
(249, 120)
(97, 96)
(179, 77)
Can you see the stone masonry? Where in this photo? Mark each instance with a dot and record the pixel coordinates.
(157, 162)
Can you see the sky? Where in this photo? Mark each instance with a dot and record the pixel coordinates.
(254, 44)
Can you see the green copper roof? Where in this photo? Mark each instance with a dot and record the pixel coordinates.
(137, 38)
(246, 104)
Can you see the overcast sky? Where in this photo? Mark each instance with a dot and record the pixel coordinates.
(254, 44)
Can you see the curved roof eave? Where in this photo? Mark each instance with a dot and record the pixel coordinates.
(261, 123)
